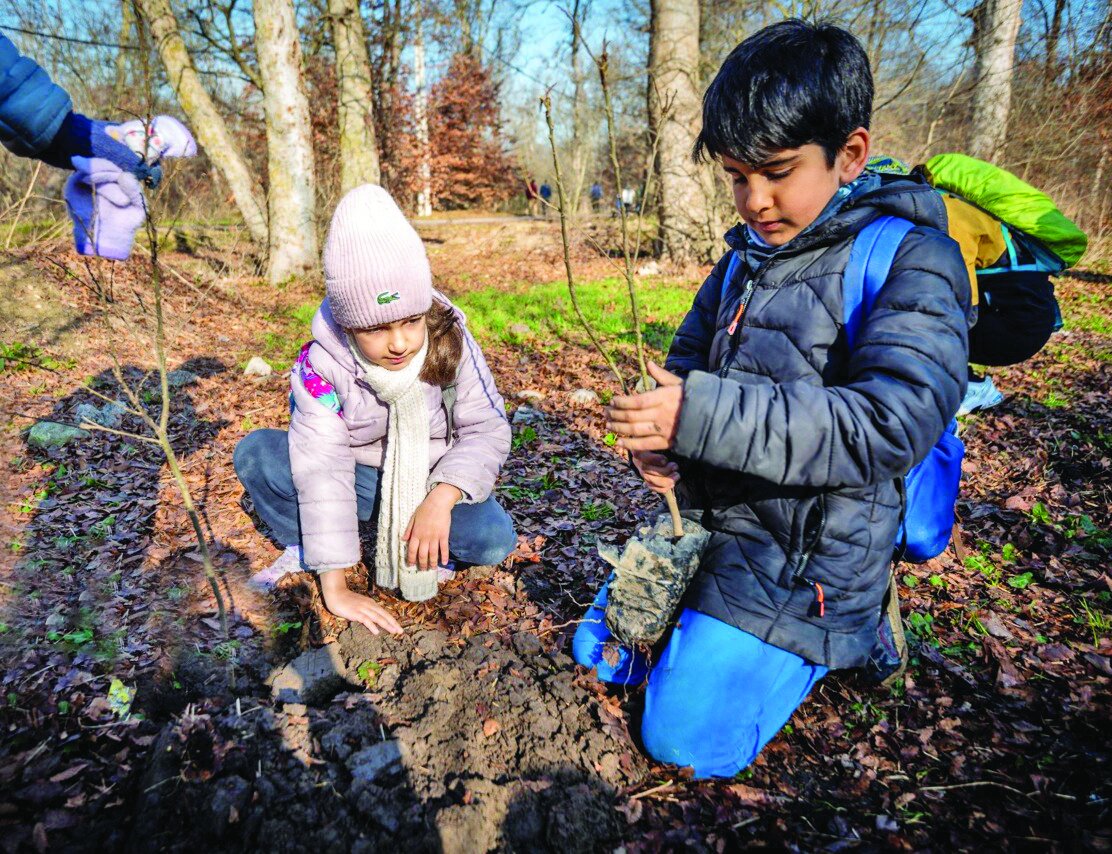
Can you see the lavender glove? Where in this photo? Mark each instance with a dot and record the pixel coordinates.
(80, 136)
(106, 205)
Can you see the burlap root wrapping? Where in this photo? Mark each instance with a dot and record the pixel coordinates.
(651, 575)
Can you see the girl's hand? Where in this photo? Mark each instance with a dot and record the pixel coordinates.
(351, 606)
(428, 530)
(659, 472)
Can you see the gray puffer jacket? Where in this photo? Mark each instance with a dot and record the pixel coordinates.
(790, 445)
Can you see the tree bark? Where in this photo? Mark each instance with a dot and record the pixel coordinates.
(205, 120)
(358, 149)
(995, 27)
(291, 199)
(687, 218)
(421, 110)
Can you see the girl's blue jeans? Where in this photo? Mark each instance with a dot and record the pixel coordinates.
(482, 534)
(716, 696)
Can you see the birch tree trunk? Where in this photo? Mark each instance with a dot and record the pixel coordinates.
(688, 222)
(204, 119)
(291, 199)
(579, 141)
(358, 149)
(424, 166)
(995, 27)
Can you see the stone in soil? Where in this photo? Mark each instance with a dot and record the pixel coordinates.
(108, 415)
(49, 434)
(181, 378)
(530, 395)
(527, 415)
(584, 397)
(258, 367)
(313, 678)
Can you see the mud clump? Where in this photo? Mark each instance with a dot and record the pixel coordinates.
(489, 743)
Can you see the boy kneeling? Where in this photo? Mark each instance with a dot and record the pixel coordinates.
(787, 443)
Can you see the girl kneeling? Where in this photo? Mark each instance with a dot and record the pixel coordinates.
(394, 416)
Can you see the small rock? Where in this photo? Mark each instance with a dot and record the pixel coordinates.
(108, 415)
(584, 397)
(181, 378)
(313, 678)
(258, 367)
(519, 329)
(530, 395)
(527, 415)
(649, 269)
(50, 434)
(640, 387)
(368, 764)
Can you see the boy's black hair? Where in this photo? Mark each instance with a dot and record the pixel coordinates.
(791, 84)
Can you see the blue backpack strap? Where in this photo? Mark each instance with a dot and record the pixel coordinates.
(870, 261)
(731, 268)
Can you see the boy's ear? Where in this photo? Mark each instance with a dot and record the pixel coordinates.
(853, 156)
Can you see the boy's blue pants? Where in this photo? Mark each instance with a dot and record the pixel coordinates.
(716, 696)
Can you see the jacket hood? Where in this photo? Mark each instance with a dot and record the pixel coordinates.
(908, 197)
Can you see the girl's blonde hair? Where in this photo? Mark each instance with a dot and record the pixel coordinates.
(445, 345)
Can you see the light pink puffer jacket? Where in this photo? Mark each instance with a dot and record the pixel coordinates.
(324, 448)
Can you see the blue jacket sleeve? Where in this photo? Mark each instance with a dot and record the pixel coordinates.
(32, 107)
(691, 344)
(907, 375)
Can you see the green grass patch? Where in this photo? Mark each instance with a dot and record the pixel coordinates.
(547, 311)
(280, 346)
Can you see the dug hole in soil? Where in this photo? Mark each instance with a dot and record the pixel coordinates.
(451, 744)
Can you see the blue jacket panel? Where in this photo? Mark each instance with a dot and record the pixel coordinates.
(32, 107)
(790, 445)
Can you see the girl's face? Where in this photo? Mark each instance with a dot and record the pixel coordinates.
(392, 345)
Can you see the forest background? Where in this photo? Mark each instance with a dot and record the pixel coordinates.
(146, 686)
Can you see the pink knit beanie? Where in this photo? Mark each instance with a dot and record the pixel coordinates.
(375, 267)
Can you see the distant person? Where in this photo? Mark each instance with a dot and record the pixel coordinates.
(531, 196)
(394, 410)
(596, 196)
(785, 442)
(629, 196)
(546, 196)
(111, 161)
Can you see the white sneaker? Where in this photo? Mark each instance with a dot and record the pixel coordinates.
(288, 561)
(980, 395)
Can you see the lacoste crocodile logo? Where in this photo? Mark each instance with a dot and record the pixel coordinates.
(387, 297)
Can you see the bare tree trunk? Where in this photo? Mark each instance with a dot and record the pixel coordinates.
(291, 200)
(206, 121)
(687, 217)
(995, 27)
(358, 151)
(1053, 37)
(579, 154)
(424, 169)
(1096, 191)
(127, 24)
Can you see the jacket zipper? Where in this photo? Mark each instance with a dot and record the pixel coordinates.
(819, 605)
(739, 316)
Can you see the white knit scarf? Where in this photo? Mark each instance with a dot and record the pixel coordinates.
(405, 471)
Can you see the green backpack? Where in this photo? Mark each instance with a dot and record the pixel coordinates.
(1053, 242)
(1015, 203)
